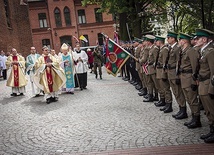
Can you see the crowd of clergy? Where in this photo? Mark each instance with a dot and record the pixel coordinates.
(49, 74)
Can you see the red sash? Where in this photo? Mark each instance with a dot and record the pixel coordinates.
(16, 71)
(48, 73)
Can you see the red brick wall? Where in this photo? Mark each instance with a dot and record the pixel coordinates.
(54, 34)
(19, 35)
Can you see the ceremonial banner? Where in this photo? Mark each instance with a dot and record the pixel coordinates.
(83, 38)
(116, 56)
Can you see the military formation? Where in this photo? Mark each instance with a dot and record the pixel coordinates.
(183, 67)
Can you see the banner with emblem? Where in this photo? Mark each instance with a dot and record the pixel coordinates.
(116, 56)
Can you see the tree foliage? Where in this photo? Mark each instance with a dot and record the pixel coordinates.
(143, 15)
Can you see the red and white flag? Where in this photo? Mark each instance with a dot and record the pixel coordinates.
(77, 40)
(145, 68)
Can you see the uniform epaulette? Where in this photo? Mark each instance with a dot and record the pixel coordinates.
(166, 48)
(156, 47)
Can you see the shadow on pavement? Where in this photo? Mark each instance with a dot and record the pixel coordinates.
(7, 100)
(40, 107)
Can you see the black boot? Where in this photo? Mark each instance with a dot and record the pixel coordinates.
(143, 92)
(48, 100)
(163, 108)
(183, 113)
(168, 108)
(178, 113)
(156, 97)
(96, 76)
(138, 87)
(13, 94)
(209, 134)
(195, 123)
(149, 99)
(187, 123)
(146, 96)
(101, 77)
(160, 103)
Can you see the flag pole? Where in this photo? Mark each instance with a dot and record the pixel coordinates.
(127, 27)
(120, 47)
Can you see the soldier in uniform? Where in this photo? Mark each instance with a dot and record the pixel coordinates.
(171, 65)
(98, 60)
(137, 49)
(152, 82)
(206, 72)
(143, 62)
(189, 60)
(161, 75)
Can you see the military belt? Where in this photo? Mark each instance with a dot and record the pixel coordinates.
(150, 63)
(169, 67)
(159, 67)
(201, 78)
(185, 70)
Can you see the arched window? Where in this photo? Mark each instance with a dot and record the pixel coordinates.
(57, 17)
(67, 16)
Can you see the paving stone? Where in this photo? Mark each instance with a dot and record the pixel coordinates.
(108, 116)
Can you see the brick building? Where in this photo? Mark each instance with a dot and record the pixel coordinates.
(54, 22)
(15, 28)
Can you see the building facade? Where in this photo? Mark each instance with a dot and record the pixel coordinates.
(15, 31)
(54, 22)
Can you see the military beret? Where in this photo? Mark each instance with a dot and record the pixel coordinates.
(143, 38)
(172, 34)
(203, 33)
(149, 37)
(184, 36)
(140, 41)
(159, 38)
(136, 39)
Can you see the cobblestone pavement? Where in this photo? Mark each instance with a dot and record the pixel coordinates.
(107, 116)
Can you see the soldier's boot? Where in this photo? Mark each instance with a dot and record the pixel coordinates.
(195, 123)
(101, 77)
(183, 113)
(208, 134)
(163, 108)
(155, 98)
(143, 92)
(178, 113)
(146, 96)
(168, 108)
(187, 123)
(160, 103)
(96, 76)
(149, 99)
(210, 139)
